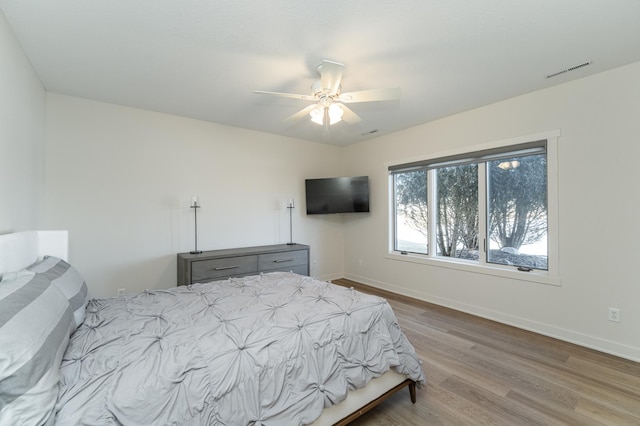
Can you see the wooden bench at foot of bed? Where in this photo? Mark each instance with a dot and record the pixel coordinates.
(412, 393)
(360, 401)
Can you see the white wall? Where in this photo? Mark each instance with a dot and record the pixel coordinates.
(599, 150)
(22, 112)
(121, 180)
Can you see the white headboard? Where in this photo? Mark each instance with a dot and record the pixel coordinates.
(21, 249)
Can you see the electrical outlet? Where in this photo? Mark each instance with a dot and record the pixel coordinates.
(614, 314)
(121, 292)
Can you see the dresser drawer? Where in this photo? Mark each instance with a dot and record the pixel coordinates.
(296, 269)
(214, 269)
(282, 261)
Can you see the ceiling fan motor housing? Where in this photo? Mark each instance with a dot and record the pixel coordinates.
(322, 92)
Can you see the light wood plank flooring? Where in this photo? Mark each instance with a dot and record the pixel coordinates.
(481, 372)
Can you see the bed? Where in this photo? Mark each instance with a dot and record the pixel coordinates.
(276, 348)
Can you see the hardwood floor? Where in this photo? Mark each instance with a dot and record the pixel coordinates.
(481, 372)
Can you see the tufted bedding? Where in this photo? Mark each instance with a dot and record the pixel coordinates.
(272, 349)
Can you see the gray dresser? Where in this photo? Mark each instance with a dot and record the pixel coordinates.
(237, 262)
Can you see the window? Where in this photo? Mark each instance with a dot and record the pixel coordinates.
(517, 211)
(411, 228)
(457, 210)
(490, 208)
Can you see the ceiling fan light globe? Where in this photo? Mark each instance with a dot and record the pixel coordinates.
(335, 114)
(317, 115)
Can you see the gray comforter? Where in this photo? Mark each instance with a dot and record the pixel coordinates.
(272, 349)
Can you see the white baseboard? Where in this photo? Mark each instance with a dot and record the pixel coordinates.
(327, 277)
(571, 336)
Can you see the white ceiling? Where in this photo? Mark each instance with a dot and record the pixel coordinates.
(203, 58)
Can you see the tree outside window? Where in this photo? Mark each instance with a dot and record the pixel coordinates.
(457, 224)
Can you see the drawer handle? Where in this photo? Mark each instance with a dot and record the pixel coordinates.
(222, 268)
(283, 260)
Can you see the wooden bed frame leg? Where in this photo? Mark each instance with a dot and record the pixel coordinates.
(412, 392)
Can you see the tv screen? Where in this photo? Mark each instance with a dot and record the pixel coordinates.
(337, 195)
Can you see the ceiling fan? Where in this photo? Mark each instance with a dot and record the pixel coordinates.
(328, 107)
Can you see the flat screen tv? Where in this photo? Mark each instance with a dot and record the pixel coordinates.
(337, 195)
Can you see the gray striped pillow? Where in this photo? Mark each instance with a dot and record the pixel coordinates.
(68, 280)
(35, 323)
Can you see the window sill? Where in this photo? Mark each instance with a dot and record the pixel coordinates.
(535, 276)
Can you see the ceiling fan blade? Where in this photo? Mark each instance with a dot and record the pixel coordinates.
(331, 75)
(287, 95)
(371, 95)
(349, 116)
(300, 114)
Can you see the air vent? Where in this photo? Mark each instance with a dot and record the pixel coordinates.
(573, 68)
(370, 132)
